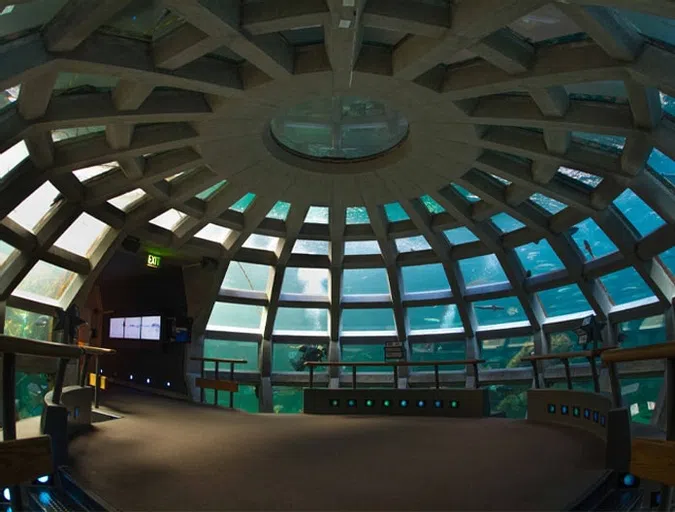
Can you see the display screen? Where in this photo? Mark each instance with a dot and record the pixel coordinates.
(151, 328)
(132, 328)
(117, 328)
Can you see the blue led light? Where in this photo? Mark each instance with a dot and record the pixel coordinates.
(421, 403)
(43, 479)
(369, 403)
(454, 404)
(403, 403)
(386, 403)
(335, 402)
(602, 420)
(6, 494)
(551, 408)
(587, 414)
(596, 416)
(44, 497)
(351, 403)
(564, 409)
(438, 404)
(576, 411)
(629, 480)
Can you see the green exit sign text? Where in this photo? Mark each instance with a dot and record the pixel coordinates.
(154, 261)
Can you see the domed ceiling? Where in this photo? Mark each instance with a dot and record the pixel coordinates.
(361, 171)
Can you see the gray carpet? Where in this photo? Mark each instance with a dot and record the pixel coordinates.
(170, 455)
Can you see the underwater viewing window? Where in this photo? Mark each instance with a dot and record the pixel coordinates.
(626, 286)
(379, 319)
(550, 205)
(506, 352)
(460, 236)
(424, 278)
(642, 332)
(563, 301)
(301, 320)
(639, 214)
(230, 349)
(311, 247)
(539, 258)
(362, 247)
(12, 157)
(482, 270)
(6, 252)
(365, 281)
(246, 276)
(214, 233)
(279, 211)
(242, 204)
(426, 318)
(499, 311)
(438, 351)
(317, 215)
(412, 244)
(359, 353)
(306, 281)
(45, 283)
(228, 316)
(292, 358)
(395, 212)
(592, 241)
(262, 242)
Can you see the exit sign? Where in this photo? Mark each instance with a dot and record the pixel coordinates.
(154, 261)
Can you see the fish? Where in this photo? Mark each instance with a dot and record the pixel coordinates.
(588, 248)
(491, 307)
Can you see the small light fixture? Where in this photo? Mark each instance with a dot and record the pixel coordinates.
(7, 10)
(147, 381)
(345, 23)
(131, 377)
(348, 3)
(168, 384)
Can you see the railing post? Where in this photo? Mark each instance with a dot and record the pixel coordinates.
(231, 380)
(201, 389)
(568, 375)
(8, 396)
(437, 377)
(58, 383)
(594, 373)
(215, 391)
(85, 367)
(395, 366)
(476, 382)
(536, 373)
(615, 385)
(311, 376)
(98, 382)
(353, 376)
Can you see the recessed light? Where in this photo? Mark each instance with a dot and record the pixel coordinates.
(345, 23)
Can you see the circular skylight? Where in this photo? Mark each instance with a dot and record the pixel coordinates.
(340, 128)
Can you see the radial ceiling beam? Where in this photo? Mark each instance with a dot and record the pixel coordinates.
(281, 15)
(221, 22)
(130, 95)
(507, 51)
(645, 104)
(336, 228)
(77, 20)
(620, 40)
(407, 17)
(183, 45)
(36, 94)
(471, 22)
(343, 35)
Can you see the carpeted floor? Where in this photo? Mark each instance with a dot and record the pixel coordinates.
(170, 455)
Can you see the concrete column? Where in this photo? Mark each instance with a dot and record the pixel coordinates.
(265, 365)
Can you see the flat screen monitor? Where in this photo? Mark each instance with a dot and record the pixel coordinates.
(132, 328)
(151, 328)
(117, 328)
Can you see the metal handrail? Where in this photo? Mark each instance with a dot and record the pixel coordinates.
(217, 360)
(565, 357)
(395, 364)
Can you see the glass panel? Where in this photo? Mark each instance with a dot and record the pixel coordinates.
(591, 240)
(395, 212)
(578, 384)
(9, 95)
(568, 341)
(563, 301)
(642, 217)
(482, 270)
(92, 172)
(20, 17)
(667, 259)
(539, 258)
(301, 319)
(308, 281)
(262, 242)
(72, 133)
(667, 103)
(547, 203)
(45, 281)
(499, 311)
(280, 211)
(83, 236)
(656, 27)
(292, 358)
(500, 179)
(510, 399)
(662, 164)
(505, 223)
(544, 24)
(438, 351)
(214, 233)
(590, 180)
(246, 276)
(609, 91)
(26, 324)
(234, 316)
(245, 399)
(205, 195)
(434, 317)
(368, 320)
(642, 332)
(34, 208)
(432, 206)
(506, 352)
(228, 349)
(608, 142)
(6, 251)
(68, 81)
(169, 219)
(287, 400)
(363, 353)
(640, 395)
(317, 215)
(460, 236)
(12, 157)
(472, 198)
(365, 247)
(143, 20)
(126, 202)
(364, 281)
(357, 215)
(412, 244)
(311, 247)
(242, 205)
(424, 278)
(626, 286)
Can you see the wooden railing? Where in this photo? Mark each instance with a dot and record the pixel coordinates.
(652, 459)
(10, 347)
(395, 365)
(216, 383)
(565, 357)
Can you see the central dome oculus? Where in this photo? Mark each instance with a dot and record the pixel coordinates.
(340, 128)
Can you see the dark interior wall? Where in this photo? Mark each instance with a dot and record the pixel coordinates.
(129, 288)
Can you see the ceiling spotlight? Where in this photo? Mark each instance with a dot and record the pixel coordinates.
(345, 23)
